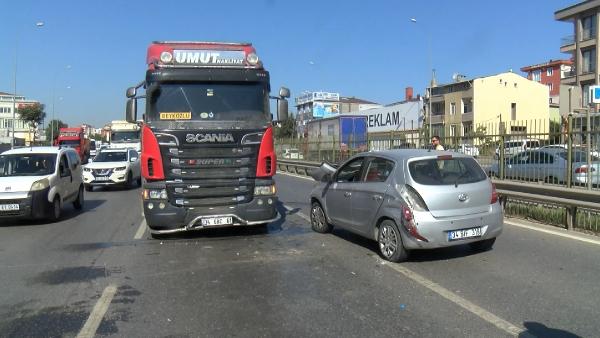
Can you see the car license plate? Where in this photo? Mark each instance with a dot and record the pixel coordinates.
(102, 178)
(464, 234)
(9, 207)
(217, 221)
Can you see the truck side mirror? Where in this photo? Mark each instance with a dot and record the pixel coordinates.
(131, 110)
(284, 92)
(131, 91)
(282, 109)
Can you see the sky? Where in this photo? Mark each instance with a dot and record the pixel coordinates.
(88, 52)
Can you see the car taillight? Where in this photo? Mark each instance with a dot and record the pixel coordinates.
(152, 166)
(413, 198)
(409, 224)
(266, 163)
(494, 194)
(584, 170)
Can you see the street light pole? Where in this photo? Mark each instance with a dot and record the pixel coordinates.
(52, 122)
(14, 108)
(428, 37)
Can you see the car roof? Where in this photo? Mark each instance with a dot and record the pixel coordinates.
(36, 150)
(401, 154)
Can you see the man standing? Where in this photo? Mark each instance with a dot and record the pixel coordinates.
(435, 142)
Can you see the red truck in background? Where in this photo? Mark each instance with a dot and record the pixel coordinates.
(74, 138)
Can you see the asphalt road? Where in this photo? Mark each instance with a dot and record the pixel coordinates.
(94, 272)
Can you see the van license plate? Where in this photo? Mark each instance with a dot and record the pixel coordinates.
(216, 221)
(464, 234)
(9, 207)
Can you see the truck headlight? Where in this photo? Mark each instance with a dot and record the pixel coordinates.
(120, 168)
(265, 190)
(40, 185)
(154, 194)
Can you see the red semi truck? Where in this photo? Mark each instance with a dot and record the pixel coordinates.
(208, 157)
(74, 138)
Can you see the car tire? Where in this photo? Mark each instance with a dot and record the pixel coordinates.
(89, 187)
(484, 245)
(318, 219)
(78, 204)
(158, 236)
(390, 244)
(129, 181)
(55, 209)
(139, 181)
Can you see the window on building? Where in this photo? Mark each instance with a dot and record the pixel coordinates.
(588, 27)
(467, 128)
(452, 108)
(438, 108)
(548, 71)
(550, 86)
(467, 105)
(513, 111)
(588, 57)
(585, 91)
(536, 75)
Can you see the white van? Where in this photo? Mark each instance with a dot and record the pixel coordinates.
(35, 182)
(514, 147)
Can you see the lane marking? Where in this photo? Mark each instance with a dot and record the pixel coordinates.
(553, 232)
(95, 318)
(458, 300)
(298, 213)
(295, 175)
(141, 230)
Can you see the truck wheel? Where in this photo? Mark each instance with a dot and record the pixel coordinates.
(78, 204)
(55, 209)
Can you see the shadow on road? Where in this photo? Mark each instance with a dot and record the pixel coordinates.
(68, 212)
(535, 329)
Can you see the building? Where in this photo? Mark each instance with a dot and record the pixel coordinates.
(550, 74)
(503, 103)
(317, 105)
(6, 119)
(582, 47)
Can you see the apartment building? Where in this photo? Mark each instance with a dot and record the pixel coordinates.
(549, 73)
(7, 121)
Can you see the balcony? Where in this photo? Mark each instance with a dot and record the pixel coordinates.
(437, 119)
(567, 44)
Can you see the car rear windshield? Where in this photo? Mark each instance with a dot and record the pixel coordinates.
(452, 171)
(27, 164)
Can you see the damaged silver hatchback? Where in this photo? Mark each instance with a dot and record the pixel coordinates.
(408, 200)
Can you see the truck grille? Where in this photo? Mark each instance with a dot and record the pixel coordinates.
(209, 174)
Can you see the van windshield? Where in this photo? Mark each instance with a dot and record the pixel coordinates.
(446, 172)
(27, 164)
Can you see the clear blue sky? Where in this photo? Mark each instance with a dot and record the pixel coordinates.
(367, 49)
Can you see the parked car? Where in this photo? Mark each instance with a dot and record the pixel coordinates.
(575, 147)
(467, 149)
(408, 199)
(514, 147)
(113, 166)
(36, 182)
(549, 165)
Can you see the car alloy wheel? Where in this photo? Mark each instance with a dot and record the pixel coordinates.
(388, 241)
(318, 221)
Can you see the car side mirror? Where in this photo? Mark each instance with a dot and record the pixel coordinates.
(133, 159)
(131, 92)
(131, 111)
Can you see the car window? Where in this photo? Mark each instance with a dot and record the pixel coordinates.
(446, 171)
(27, 164)
(350, 172)
(73, 158)
(112, 156)
(64, 166)
(532, 144)
(132, 154)
(378, 170)
(578, 156)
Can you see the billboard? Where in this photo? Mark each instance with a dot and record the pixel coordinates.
(399, 116)
(325, 109)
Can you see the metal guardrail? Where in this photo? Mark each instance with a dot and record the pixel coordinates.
(570, 199)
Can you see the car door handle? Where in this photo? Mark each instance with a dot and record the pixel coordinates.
(377, 197)
(347, 194)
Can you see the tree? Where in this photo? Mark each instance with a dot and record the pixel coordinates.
(33, 114)
(286, 129)
(53, 129)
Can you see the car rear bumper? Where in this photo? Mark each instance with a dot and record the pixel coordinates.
(436, 230)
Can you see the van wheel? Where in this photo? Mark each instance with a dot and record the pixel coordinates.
(78, 204)
(318, 221)
(55, 209)
(484, 245)
(390, 242)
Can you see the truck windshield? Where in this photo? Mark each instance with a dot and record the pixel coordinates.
(125, 136)
(209, 102)
(69, 143)
(27, 165)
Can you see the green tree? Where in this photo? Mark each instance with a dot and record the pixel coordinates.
(33, 115)
(53, 129)
(286, 129)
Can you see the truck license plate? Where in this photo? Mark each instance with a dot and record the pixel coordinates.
(9, 207)
(464, 234)
(217, 221)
